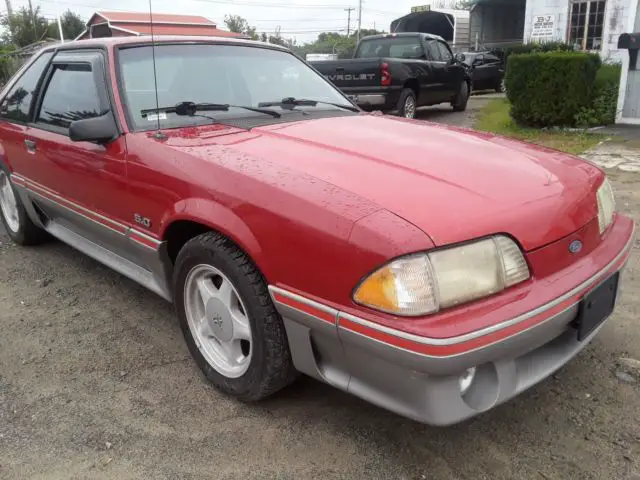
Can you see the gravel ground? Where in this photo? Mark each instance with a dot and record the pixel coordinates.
(96, 382)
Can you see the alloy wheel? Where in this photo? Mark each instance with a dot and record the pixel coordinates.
(218, 321)
(410, 107)
(9, 203)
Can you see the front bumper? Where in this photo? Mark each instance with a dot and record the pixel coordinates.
(417, 377)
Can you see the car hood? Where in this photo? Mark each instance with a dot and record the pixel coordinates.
(454, 184)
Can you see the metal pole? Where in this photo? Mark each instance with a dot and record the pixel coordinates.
(10, 17)
(359, 20)
(349, 10)
(60, 29)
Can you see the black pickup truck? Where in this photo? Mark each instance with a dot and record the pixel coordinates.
(400, 72)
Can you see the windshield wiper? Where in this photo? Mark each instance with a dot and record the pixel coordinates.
(289, 103)
(190, 108)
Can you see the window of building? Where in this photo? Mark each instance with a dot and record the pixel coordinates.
(586, 24)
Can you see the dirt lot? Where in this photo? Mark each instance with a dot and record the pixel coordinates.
(96, 382)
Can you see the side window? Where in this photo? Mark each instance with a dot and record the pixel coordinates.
(445, 53)
(71, 95)
(433, 51)
(16, 105)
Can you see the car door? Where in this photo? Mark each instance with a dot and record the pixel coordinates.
(453, 72)
(494, 70)
(437, 86)
(16, 110)
(481, 72)
(77, 184)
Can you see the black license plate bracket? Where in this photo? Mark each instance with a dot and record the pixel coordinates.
(596, 306)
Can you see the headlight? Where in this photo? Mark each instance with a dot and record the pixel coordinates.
(424, 283)
(606, 205)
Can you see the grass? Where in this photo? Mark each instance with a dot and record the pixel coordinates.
(494, 117)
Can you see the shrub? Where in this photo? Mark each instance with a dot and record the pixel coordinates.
(602, 110)
(551, 88)
(538, 48)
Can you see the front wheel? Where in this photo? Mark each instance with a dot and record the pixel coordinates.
(459, 103)
(229, 322)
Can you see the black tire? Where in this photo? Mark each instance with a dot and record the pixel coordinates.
(459, 103)
(270, 368)
(500, 86)
(403, 108)
(27, 232)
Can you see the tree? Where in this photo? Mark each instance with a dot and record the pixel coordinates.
(331, 42)
(72, 25)
(24, 27)
(237, 24)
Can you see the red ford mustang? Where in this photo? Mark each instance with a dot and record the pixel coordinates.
(433, 271)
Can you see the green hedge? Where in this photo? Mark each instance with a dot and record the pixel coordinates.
(602, 110)
(540, 47)
(551, 88)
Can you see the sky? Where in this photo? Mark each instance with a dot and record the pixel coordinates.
(300, 19)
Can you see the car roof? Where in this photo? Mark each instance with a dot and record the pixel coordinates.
(405, 34)
(114, 42)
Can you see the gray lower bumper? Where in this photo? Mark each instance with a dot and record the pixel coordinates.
(436, 399)
(369, 100)
(425, 388)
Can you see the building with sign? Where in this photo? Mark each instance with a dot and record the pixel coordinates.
(592, 25)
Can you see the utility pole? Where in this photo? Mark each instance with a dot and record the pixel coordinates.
(348, 10)
(60, 29)
(10, 17)
(359, 20)
(33, 20)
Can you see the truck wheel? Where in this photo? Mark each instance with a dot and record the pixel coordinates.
(407, 104)
(500, 87)
(16, 222)
(231, 327)
(459, 103)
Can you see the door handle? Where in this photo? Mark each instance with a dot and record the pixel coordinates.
(31, 145)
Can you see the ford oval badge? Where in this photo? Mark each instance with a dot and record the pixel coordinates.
(575, 246)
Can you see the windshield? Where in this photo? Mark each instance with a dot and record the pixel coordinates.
(222, 74)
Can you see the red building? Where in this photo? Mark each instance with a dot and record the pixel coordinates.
(123, 24)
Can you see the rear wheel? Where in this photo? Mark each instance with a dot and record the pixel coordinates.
(14, 216)
(459, 103)
(407, 104)
(228, 319)
(500, 87)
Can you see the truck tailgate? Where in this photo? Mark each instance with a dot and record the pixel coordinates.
(352, 74)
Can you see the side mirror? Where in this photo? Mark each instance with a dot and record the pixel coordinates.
(477, 62)
(100, 129)
(459, 57)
